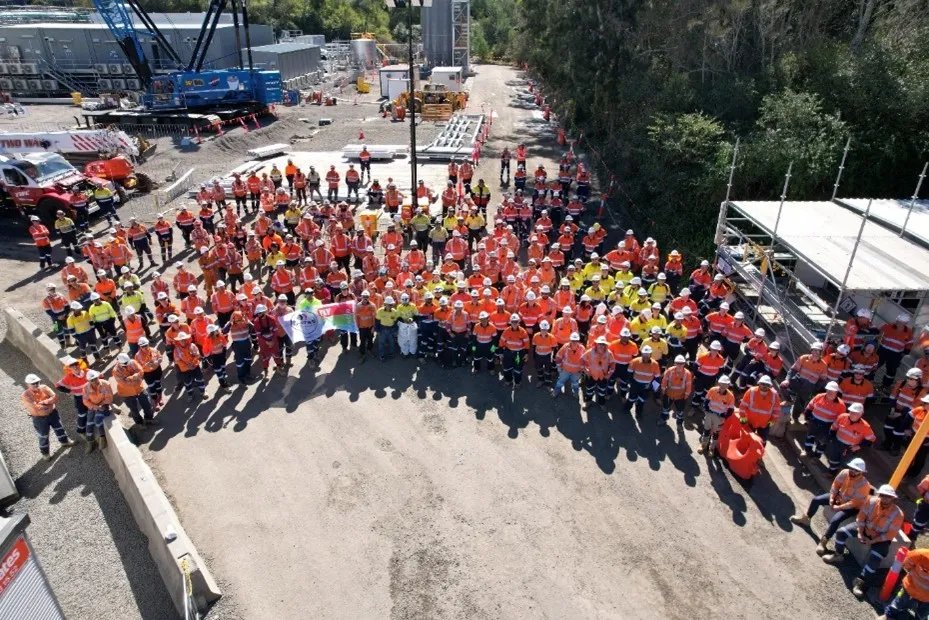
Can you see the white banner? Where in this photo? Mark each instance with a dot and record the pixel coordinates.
(302, 326)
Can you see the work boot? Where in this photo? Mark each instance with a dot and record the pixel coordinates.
(835, 558)
(801, 520)
(46, 456)
(858, 587)
(704, 444)
(821, 548)
(89, 447)
(101, 441)
(67, 443)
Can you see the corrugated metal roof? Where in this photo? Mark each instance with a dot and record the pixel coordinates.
(281, 48)
(94, 26)
(822, 234)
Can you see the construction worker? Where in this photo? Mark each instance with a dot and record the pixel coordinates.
(240, 332)
(299, 187)
(184, 220)
(165, 235)
(760, 407)
(407, 329)
(903, 398)
(805, 377)
(149, 360)
(352, 182)
(313, 179)
(543, 348)
(877, 524)
(848, 494)
(56, 306)
(570, 362)
(821, 412)
(134, 328)
(365, 158)
(42, 239)
(72, 382)
(365, 318)
(276, 177)
(223, 303)
(896, 342)
(643, 371)
(332, 182)
(80, 325)
(214, 348)
(187, 358)
(98, 397)
(849, 434)
(386, 318)
(514, 341)
(708, 367)
(623, 351)
(719, 404)
(484, 345)
(67, 232)
(267, 331)
(677, 386)
(130, 386)
(40, 402)
(106, 201)
(598, 363)
(914, 593)
(104, 319)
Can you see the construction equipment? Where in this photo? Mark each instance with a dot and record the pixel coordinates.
(189, 92)
(120, 171)
(42, 183)
(435, 102)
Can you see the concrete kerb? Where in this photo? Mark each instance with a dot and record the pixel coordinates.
(176, 558)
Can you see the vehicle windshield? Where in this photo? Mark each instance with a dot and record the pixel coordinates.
(48, 167)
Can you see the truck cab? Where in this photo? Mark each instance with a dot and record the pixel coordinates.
(41, 183)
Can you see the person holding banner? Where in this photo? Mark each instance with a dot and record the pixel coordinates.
(269, 345)
(387, 318)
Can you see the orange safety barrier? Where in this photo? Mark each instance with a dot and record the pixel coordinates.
(741, 448)
(893, 575)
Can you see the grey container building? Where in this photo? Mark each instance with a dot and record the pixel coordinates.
(53, 59)
(447, 34)
(293, 60)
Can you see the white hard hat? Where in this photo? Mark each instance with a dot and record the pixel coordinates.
(128, 310)
(914, 373)
(858, 465)
(600, 340)
(161, 295)
(76, 305)
(886, 490)
(775, 346)
(856, 408)
(483, 315)
(93, 374)
(32, 379)
(765, 380)
(404, 297)
(514, 317)
(530, 296)
(759, 332)
(832, 386)
(574, 337)
(390, 300)
(544, 325)
(143, 341)
(646, 350)
(715, 345)
(724, 306)
(94, 296)
(844, 349)
(261, 308)
(903, 318)
(625, 333)
(739, 316)
(724, 380)
(680, 359)
(816, 346)
(212, 328)
(458, 304)
(122, 358)
(864, 313)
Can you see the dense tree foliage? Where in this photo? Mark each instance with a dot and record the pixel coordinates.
(663, 88)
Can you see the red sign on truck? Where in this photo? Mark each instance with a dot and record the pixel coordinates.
(12, 563)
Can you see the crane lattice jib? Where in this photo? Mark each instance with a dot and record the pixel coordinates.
(120, 23)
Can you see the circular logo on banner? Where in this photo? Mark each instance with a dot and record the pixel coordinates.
(308, 324)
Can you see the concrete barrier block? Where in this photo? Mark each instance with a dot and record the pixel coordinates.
(147, 501)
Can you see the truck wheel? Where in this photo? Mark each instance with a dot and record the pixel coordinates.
(144, 183)
(46, 210)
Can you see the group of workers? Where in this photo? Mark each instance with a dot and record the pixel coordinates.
(618, 323)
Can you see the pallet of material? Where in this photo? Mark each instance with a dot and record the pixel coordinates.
(272, 150)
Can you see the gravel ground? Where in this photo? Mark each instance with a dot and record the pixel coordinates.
(95, 557)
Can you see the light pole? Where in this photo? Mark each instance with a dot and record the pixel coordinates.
(409, 4)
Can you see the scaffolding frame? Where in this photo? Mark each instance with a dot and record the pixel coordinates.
(461, 33)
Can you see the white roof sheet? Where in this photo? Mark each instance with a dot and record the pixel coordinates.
(823, 234)
(892, 212)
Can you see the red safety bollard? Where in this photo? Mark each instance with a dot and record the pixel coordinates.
(197, 135)
(547, 114)
(219, 128)
(894, 574)
(361, 134)
(530, 87)
(242, 122)
(561, 136)
(255, 120)
(602, 209)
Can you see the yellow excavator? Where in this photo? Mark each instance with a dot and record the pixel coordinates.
(434, 102)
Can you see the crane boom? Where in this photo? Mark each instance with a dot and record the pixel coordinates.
(120, 23)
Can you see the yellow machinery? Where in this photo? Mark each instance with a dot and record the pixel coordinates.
(435, 102)
(363, 87)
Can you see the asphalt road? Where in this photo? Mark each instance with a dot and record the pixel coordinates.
(404, 491)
